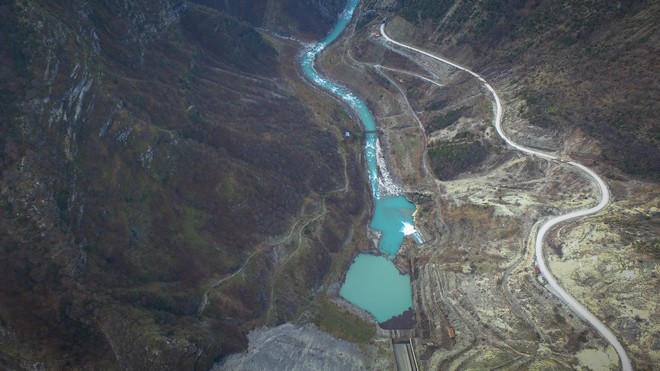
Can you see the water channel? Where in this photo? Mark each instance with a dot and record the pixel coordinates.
(372, 282)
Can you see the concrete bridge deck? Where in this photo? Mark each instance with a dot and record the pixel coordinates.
(404, 354)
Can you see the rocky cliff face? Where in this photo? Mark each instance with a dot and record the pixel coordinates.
(150, 152)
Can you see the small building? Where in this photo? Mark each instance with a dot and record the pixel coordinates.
(452, 332)
(537, 270)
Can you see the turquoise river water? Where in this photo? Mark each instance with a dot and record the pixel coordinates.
(372, 282)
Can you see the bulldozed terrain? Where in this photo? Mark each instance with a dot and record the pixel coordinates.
(481, 202)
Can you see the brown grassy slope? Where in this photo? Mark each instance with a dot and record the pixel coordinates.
(588, 65)
(151, 148)
(311, 19)
(584, 75)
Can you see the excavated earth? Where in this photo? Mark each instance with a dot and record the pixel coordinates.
(476, 272)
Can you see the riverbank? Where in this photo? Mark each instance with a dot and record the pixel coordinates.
(372, 282)
(476, 274)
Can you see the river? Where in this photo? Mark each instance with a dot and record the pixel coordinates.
(372, 282)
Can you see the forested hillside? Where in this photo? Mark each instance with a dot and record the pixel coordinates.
(149, 151)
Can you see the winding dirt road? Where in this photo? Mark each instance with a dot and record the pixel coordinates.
(552, 285)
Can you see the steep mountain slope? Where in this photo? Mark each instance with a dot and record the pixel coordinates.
(309, 18)
(585, 65)
(576, 79)
(161, 166)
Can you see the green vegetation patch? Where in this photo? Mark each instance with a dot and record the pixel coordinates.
(339, 323)
(464, 135)
(451, 159)
(436, 105)
(542, 109)
(233, 42)
(445, 120)
(366, 17)
(417, 10)
(191, 223)
(651, 247)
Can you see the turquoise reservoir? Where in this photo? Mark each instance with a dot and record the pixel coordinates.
(372, 283)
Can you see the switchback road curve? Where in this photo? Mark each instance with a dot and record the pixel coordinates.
(552, 285)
